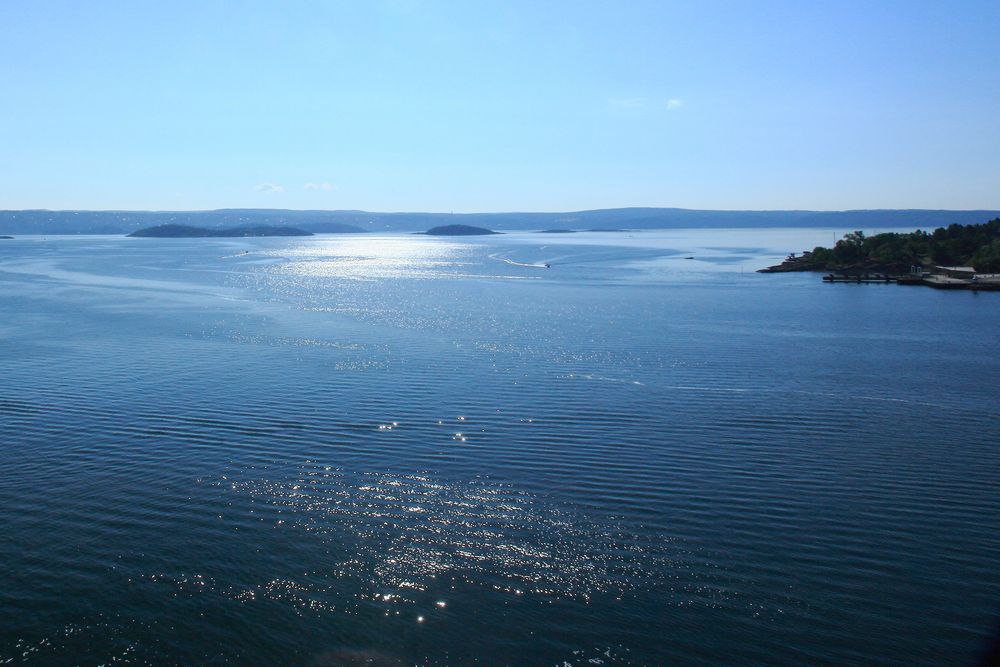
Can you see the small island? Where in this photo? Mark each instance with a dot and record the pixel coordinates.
(953, 257)
(332, 228)
(558, 231)
(6, 238)
(187, 231)
(459, 230)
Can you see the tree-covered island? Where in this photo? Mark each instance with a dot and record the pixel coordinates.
(977, 246)
(459, 230)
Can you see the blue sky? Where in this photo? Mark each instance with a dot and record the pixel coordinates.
(496, 106)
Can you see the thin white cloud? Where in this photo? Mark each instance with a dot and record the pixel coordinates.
(316, 187)
(269, 188)
(627, 102)
(674, 104)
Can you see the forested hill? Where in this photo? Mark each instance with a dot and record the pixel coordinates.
(124, 222)
(955, 245)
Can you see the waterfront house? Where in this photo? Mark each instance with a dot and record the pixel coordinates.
(965, 272)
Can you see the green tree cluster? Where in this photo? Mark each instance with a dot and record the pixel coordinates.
(978, 245)
(987, 258)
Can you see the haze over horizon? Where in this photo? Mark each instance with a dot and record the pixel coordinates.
(406, 105)
(507, 211)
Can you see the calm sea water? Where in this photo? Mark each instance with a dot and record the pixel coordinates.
(409, 450)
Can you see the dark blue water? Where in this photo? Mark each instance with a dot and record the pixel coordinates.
(410, 450)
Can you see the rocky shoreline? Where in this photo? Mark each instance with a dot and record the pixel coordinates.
(806, 262)
(938, 277)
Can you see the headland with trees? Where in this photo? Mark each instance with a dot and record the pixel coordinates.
(977, 246)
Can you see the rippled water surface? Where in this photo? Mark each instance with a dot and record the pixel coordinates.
(398, 450)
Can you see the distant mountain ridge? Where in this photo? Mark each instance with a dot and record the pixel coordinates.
(171, 231)
(124, 222)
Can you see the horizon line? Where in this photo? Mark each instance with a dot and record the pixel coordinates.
(506, 212)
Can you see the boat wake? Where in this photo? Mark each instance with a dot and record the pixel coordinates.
(536, 265)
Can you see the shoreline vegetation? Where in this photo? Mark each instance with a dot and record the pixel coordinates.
(977, 246)
(953, 257)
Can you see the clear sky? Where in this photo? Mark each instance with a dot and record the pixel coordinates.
(475, 105)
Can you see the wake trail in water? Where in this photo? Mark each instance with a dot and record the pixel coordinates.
(537, 265)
